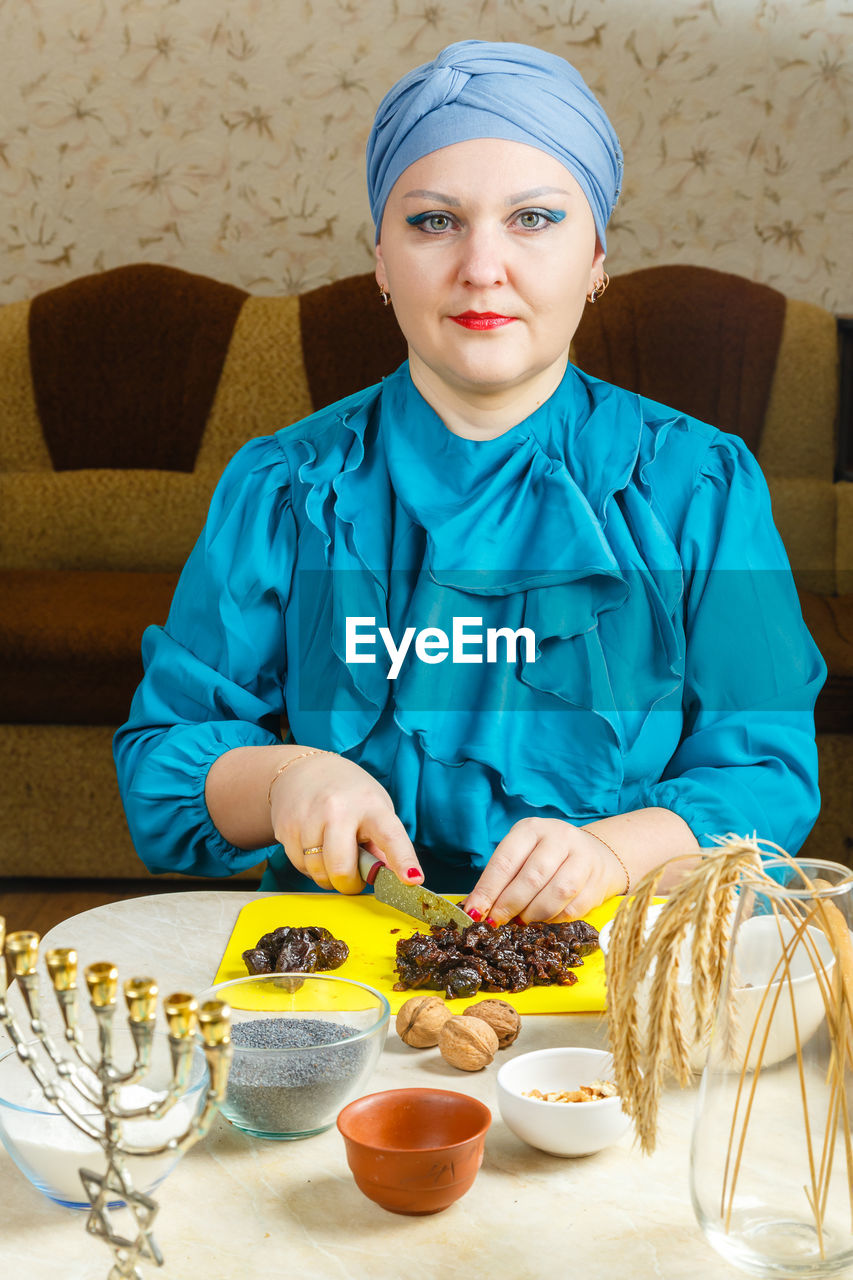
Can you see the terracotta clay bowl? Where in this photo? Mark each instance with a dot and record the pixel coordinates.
(414, 1151)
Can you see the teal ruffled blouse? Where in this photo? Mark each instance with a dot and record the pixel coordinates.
(615, 559)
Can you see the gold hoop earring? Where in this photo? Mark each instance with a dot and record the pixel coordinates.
(386, 297)
(598, 288)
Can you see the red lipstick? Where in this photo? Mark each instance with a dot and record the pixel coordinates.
(482, 320)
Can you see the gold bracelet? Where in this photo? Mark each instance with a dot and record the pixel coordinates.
(615, 855)
(315, 751)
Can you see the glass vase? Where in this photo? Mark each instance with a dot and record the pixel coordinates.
(772, 1150)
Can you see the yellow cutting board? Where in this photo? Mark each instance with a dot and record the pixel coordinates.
(371, 931)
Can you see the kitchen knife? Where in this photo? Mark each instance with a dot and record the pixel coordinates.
(412, 899)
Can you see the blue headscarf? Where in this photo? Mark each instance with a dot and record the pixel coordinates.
(482, 89)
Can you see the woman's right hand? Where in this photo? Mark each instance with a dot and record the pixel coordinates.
(323, 807)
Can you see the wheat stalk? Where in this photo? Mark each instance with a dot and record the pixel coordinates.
(644, 1052)
(626, 944)
(702, 901)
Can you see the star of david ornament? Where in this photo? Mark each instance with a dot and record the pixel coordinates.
(112, 1185)
(186, 1021)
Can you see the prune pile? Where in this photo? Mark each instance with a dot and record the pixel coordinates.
(298, 949)
(511, 957)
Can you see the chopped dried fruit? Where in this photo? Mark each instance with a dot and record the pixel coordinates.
(509, 957)
(296, 949)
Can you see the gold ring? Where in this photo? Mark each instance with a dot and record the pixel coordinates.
(315, 848)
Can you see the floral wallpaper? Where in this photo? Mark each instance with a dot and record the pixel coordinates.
(227, 136)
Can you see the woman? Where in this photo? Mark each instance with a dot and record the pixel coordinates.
(532, 634)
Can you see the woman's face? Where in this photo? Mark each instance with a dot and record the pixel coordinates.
(488, 249)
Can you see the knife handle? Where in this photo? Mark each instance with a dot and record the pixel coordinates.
(368, 865)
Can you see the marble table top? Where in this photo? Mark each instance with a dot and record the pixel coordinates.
(236, 1206)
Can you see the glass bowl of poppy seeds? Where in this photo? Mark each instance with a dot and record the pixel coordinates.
(304, 1046)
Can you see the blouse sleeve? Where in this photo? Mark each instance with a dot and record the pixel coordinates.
(747, 760)
(214, 674)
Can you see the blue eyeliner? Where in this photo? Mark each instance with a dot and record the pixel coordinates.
(553, 215)
(416, 219)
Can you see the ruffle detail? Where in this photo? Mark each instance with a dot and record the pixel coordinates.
(539, 528)
(342, 571)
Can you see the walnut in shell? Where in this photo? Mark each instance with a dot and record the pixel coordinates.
(501, 1017)
(467, 1043)
(420, 1020)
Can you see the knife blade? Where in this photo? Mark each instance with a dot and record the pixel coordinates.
(412, 899)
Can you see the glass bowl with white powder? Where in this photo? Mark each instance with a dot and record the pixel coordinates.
(50, 1150)
(304, 1046)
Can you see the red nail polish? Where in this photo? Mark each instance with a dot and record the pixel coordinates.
(516, 920)
(475, 914)
(492, 922)
(413, 873)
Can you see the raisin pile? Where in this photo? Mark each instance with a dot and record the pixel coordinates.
(299, 949)
(510, 957)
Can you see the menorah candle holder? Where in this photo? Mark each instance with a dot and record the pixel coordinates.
(86, 1084)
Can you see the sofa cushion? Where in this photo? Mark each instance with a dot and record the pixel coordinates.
(101, 520)
(22, 446)
(69, 642)
(799, 430)
(125, 365)
(117, 519)
(349, 340)
(263, 385)
(804, 513)
(703, 341)
(830, 620)
(844, 537)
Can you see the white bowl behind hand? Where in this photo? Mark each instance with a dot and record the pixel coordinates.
(759, 947)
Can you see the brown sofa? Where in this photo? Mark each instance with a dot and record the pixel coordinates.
(123, 394)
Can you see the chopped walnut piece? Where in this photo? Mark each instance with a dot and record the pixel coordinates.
(586, 1093)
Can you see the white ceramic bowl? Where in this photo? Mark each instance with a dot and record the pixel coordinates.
(757, 953)
(560, 1128)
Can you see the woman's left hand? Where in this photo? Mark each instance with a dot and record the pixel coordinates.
(545, 869)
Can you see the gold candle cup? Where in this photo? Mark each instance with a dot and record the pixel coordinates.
(214, 1018)
(62, 966)
(141, 997)
(102, 981)
(181, 1011)
(22, 948)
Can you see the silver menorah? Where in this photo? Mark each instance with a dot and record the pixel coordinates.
(95, 1081)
